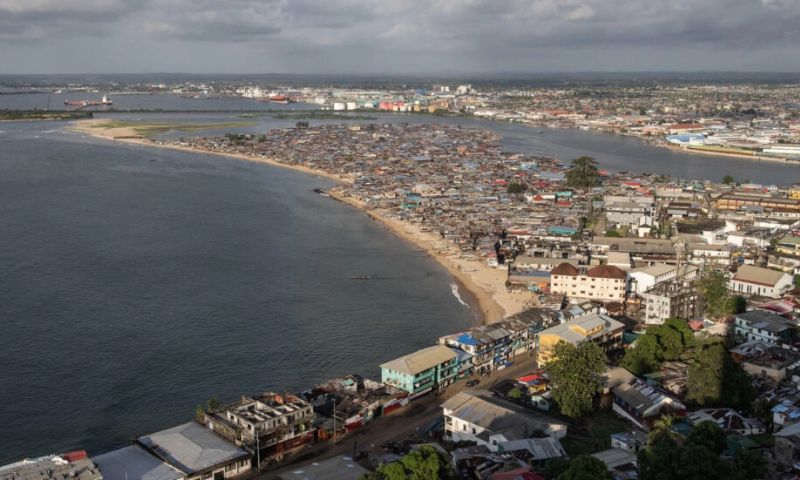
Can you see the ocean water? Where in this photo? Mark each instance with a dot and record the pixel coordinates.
(136, 283)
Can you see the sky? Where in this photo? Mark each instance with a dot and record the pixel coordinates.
(397, 36)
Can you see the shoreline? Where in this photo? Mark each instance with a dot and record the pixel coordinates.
(646, 141)
(489, 300)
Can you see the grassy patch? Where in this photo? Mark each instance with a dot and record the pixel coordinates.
(43, 115)
(594, 433)
(147, 129)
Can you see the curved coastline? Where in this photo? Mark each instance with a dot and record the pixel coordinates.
(483, 286)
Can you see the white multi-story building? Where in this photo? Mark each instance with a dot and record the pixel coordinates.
(764, 327)
(477, 416)
(764, 282)
(603, 282)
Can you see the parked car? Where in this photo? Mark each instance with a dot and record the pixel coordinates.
(473, 383)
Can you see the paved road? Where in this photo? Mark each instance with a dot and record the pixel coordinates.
(398, 426)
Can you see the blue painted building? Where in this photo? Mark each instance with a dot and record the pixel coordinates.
(422, 371)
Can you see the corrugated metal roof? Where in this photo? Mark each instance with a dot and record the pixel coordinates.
(421, 360)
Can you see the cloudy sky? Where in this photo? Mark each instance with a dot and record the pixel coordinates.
(397, 36)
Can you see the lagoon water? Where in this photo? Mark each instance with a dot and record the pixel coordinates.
(136, 283)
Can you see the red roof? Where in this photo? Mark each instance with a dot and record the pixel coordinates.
(607, 271)
(565, 269)
(74, 456)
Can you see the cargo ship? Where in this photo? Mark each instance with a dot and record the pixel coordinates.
(88, 103)
(278, 99)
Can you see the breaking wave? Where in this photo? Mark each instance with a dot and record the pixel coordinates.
(457, 294)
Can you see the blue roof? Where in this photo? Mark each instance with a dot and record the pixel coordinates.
(467, 339)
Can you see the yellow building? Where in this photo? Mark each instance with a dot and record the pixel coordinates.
(789, 246)
(598, 328)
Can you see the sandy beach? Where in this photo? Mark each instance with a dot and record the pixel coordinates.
(93, 127)
(484, 283)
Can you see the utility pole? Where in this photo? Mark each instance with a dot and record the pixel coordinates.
(258, 452)
(334, 420)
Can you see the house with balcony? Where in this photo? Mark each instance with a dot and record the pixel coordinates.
(758, 325)
(490, 345)
(272, 423)
(603, 282)
(598, 328)
(423, 371)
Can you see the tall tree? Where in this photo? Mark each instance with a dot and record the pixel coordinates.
(716, 380)
(583, 173)
(668, 341)
(708, 434)
(576, 376)
(425, 463)
(585, 467)
(714, 288)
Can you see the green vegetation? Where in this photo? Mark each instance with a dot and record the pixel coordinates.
(515, 188)
(728, 180)
(714, 378)
(593, 434)
(585, 467)
(613, 233)
(660, 343)
(148, 129)
(213, 404)
(577, 377)
(669, 455)
(426, 463)
(16, 115)
(714, 289)
(583, 173)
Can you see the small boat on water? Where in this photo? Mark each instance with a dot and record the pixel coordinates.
(321, 192)
(360, 277)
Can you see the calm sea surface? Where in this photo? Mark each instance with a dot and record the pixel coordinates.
(136, 283)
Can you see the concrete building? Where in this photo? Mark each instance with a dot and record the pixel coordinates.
(197, 452)
(72, 465)
(134, 463)
(786, 449)
(638, 402)
(764, 282)
(422, 371)
(477, 416)
(643, 279)
(271, 422)
(737, 201)
(673, 298)
(336, 468)
(764, 327)
(789, 246)
(603, 282)
(598, 328)
(626, 214)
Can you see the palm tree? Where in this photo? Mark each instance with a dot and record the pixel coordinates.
(662, 431)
